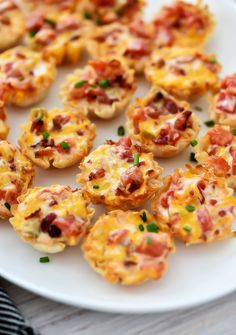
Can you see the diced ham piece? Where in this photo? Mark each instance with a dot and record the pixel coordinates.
(35, 21)
(226, 102)
(117, 236)
(132, 179)
(205, 219)
(154, 245)
(219, 164)
(137, 48)
(220, 136)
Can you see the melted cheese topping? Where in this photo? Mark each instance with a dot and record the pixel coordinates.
(185, 222)
(76, 131)
(38, 203)
(104, 189)
(113, 248)
(183, 69)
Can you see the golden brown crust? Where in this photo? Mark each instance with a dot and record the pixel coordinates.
(56, 138)
(51, 218)
(163, 125)
(109, 175)
(184, 72)
(125, 249)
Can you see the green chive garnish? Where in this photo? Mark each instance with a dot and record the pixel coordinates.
(187, 228)
(32, 33)
(96, 187)
(152, 227)
(194, 143)
(136, 159)
(190, 208)
(7, 205)
(233, 132)
(87, 15)
(45, 135)
(121, 131)
(198, 108)
(65, 145)
(210, 123)
(141, 227)
(213, 61)
(148, 240)
(104, 83)
(44, 259)
(50, 22)
(143, 216)
(98, 21)
(80, 83)
(192, 157)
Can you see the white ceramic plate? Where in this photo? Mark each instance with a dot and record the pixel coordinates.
(196, 274)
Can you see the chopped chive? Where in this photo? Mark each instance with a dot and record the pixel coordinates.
(87, 15)
(80, 83)
(141, 227)
(148, 240)
(210, 123)
(7, 205)
(192, 157)
(65, 145)
(152, 227)
(198, 108)
(190, 208)
(44, 259)
(32, 33)
(187, 228)
(104, 83)
(121, 131)
(194, 143)
(136, 159)
(98, 21)
(143, 216)
(213, 60)
(45, 135)
(233, 132)
(96, 187)
(50, 22)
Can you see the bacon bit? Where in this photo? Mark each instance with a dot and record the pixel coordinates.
(37, 126)
(138, 116)
(201, 184)
(35, 214)
(153, 245)
(117, 236)
(233, 154)
(182, 121)
(59, 121)
(70, 23)
(35, 21)
(201, 195)
(165, 198)
(104, 3)
(43, 152)
(132, 179)
(137, 48)
(167, 136)
(164, 37)
(92, 94)
(138, 28)
(170, 106)
(100, 173)
(220, 136)
(204, 218)
(222, 213)
(124, 149)
(125, 142)
(45, 36)
(219, 164)
(70, 225)
(226, 102)
(47, 221)
(213, 202)
(229, 82)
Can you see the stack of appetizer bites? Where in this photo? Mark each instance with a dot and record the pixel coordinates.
(194, 204)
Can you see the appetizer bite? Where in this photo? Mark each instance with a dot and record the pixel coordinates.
(51, 218)
(195, 205)
(161, 124)
(119, 175)
(216, 151)
(4, 129)
(57, 138)
(101, 89)
(127, 248)
(17, 173)
(25, 76)
(223, 104)
(133, 42)
(12, 25)
(56, 35)
(100, 12)
(183, 72)
(51, 6)
(184, 24)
